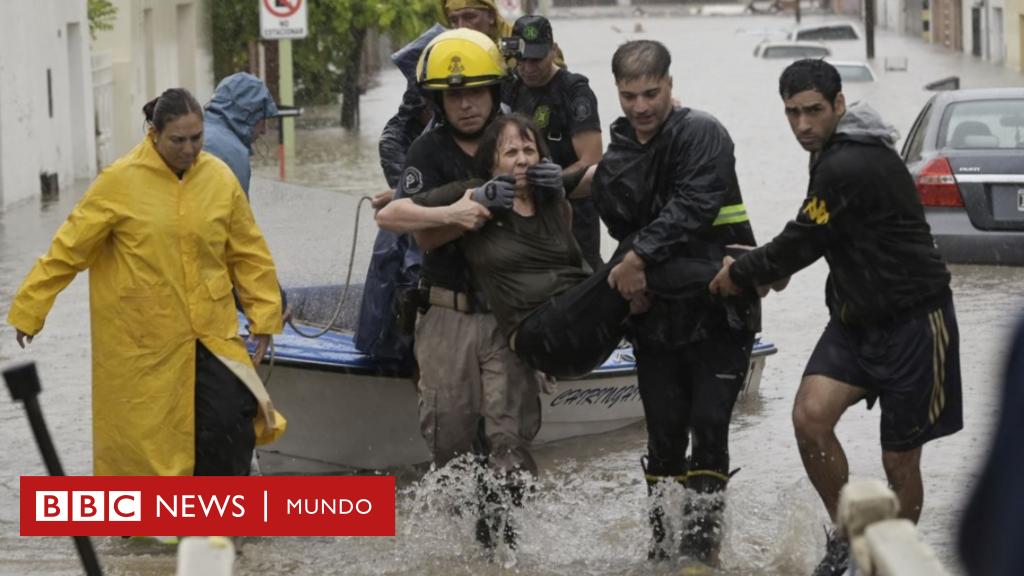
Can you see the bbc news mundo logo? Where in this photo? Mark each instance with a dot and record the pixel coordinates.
(195, 506)
(89, 506)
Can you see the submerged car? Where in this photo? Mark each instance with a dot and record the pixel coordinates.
(833, 31)
(966, 154)
(791, 50)
(851, 72)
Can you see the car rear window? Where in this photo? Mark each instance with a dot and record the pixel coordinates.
(796, 52)
(984, 125)
(854, 73)
(827, 33)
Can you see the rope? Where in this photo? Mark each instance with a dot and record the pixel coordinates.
(341, 303)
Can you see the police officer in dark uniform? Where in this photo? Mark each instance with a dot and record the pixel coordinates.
(564, 108)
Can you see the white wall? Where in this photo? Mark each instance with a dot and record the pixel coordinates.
(992, 29)
(997, 32)
(35, 135)
(149, 40)
(890, 14)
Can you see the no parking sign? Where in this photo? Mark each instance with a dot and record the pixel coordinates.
(283, 19)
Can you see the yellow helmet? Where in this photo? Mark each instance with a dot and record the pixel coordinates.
(457, 59)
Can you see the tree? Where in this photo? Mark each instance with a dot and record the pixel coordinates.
(332, 55)
(328, 61)
(101, 16)
(235, 24)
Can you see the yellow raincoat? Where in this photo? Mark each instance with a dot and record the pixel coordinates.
(163, 255)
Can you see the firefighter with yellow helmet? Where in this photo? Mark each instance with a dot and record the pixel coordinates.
(475, 394)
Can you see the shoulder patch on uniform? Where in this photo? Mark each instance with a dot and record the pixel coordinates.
(581, 108)
(412, 180)
(817, 211)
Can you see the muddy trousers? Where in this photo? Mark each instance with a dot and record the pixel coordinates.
(469, 377)
(224, 413)
(579, 329)
(689, 393)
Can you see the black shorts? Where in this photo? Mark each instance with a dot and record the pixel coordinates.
(912, 367)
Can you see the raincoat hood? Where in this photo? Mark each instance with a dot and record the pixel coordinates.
(862, 122)
(501, 27)
(240, 102)
(405, 60)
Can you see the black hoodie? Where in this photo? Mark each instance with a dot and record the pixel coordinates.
(863, 214)
(670, 192)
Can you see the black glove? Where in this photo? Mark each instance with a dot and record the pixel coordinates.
(546, 178)
(496, 194)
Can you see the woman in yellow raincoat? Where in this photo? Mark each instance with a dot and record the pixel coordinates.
(165, 231)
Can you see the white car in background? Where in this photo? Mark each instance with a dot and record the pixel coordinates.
(791, 50)
(853, 72)
(826, 32)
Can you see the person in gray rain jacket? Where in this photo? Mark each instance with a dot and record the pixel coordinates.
(235, 117)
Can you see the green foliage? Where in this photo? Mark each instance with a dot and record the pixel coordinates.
(234, 23)
(101, 16)
(328, 58)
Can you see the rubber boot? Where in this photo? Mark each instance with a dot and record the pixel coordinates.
(495, 514)
(704, 516)
(657, 550)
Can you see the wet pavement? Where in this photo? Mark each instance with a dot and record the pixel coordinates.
(588, 515)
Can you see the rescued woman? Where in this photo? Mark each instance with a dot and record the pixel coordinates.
(165, 231)
(561, 317)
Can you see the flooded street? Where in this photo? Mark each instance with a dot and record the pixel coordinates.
(588, 515)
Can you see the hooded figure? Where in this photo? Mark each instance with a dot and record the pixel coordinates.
(500, 29)
(395, 263)
(241, 102)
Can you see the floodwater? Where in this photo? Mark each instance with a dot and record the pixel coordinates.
(587, 516)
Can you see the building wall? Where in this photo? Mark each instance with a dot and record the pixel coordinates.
(46, 120)
(913, 19)
(990, 29)
(1014, 21)
(155, 45)
(1014, 16)
(948, 23)
(890, 14)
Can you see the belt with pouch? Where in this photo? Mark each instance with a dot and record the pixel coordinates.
(459, 301)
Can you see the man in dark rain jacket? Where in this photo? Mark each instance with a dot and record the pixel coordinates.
(395, 264)
(668, 179)
(892, 332)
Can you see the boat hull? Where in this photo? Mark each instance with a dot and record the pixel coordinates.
(343, 417)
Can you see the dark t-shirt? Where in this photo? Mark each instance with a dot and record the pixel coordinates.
(520, 263)
(435, 159)
(562, 108)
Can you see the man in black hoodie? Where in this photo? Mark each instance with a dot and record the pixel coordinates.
(668, 184)
(892, 332)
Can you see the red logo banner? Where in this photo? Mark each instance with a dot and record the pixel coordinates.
(211, 505)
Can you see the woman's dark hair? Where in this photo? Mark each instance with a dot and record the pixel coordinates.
(810, 74)
(487, 150)
(173, 103)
